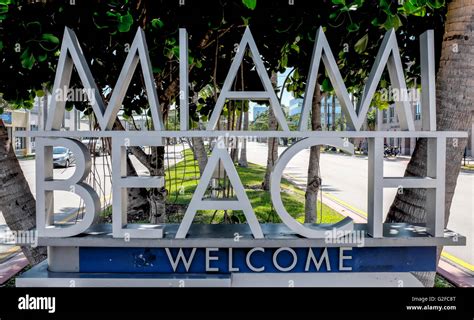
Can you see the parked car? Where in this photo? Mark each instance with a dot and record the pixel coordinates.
(63, 157)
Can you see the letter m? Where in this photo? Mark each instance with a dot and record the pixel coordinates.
(388, 55)
(72, 55)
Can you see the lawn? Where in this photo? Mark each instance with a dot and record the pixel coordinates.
(182, 179)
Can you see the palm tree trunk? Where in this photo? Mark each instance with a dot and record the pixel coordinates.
(157, 196)
(314, 180)
(455, 101)
(16, 200)
(199, 152)
(272, 154)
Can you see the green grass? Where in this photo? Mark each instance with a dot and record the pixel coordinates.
(441, 282)
(182, 180)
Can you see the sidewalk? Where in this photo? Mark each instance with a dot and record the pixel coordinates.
(447, 267)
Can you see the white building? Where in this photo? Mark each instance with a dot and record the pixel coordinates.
(387, 120)
(34, 120)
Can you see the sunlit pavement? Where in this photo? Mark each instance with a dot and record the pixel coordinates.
(67, 205)
(344, 180)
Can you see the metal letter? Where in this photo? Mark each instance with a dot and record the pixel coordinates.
(227, 93)
(314, 231)
(428, 85)
(105, 117)
(45, 185)
(197, 202)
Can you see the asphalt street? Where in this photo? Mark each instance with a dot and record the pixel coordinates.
(345, 179)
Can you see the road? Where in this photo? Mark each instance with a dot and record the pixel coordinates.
(345, 177)
(67, 204)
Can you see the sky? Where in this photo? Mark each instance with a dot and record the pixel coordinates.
(287, 96)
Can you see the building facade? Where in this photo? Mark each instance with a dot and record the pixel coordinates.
(34, 120)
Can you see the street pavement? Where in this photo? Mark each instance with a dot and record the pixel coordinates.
(344, 179)
(67, 205)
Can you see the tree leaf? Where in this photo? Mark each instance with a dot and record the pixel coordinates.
(353, 27)
(27, 59)
(284, 61)
(326, 85)
(42, 57)
(251, 4)
(125, 22)
(295, 47)
(436, 4)
(157, 23)
(361, 44)
(392, 22)
(50, 37)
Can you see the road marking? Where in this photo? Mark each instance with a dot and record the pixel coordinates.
(9, 252)
(345, 204)
(458, 261)
(445, 255)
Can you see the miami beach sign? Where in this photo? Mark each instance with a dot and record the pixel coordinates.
(248, 254)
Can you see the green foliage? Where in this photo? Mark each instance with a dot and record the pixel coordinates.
(182, 180)
(361, 44)
(251, 4)
(124, 22)
(157, 23)
(30, 42)
(50, 38)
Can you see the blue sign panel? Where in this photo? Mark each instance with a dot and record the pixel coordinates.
(245, 260)
(6, 117)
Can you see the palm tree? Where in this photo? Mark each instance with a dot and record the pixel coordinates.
(16, 200)
(455, 101)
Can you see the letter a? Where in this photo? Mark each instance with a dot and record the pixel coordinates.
(242, 202)
(227, 93)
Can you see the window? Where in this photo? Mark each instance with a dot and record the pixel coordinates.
(20, 142)
(391, 114)
(33, 127)
(384, 118)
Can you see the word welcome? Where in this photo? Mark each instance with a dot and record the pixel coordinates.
(256, 259)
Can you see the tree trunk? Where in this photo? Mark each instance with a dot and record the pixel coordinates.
(454, 100)
(243, 152)
(200, 153)
(136, 197)
(314, 180)
(157, 196)
(16, 200)
(272, 154)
